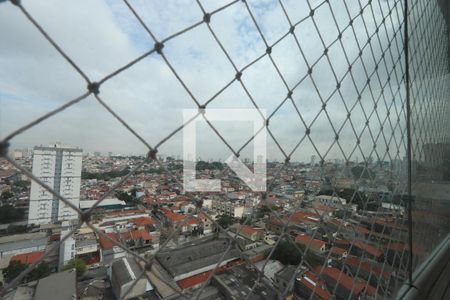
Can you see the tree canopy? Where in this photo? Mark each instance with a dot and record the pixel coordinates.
(287, 253)
(225, 220)
(16, 267)
(9, 214)
(78, 264)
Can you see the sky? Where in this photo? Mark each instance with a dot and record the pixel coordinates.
(102, 36)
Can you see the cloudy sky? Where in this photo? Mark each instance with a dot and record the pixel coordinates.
(102, 36)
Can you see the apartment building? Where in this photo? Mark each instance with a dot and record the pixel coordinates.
(60, 168)
(234, 209)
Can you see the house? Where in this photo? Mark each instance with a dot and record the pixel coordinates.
(144, 223)
(207, 224)
(371, 271)
(345, 287)
(258, 253)
(338, 253)
(108, 250)
(136, 239)
(271, 239)
(172, 218)
(308, 286)
(360, 248)
(87, 248)
(331, 201)
(308, 242)
(251, 233)
(275, 225)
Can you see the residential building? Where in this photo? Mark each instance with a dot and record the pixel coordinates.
(346, 287)
(60, 168)
(22, 243)
(67, 249)
(194, 259)
(332, 201)
(308, 286)
(123, 273)
(234, 209)
(310, 243)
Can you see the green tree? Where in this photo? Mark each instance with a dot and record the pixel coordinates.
(362, 172)
(22, 183)
(42, 270)
(13, 270)
(6, 195)
(121, 195)
(9, 213)
(78, 264)
(262, 211)
(225, 220)
(287, 253)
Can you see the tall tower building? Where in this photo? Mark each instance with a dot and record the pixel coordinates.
(60, 168)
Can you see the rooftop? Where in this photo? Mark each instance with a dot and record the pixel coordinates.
(187, 259)
(61, 286)
(240, 282)
(28, 258)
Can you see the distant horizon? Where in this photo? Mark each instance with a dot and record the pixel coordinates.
(179, 156)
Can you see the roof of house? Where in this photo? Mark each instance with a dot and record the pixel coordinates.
(300, 217)
(143, 221)
(344, 280)
(368, 248)
(136, 234)
(28, 258)
(193, 280)
(400, 247)
(310, 281)
(367, 266)
(174, 217)
(106, 243)
(308, 240)
(61, 286)
(126, 271)
(361, 229)
(337, 250)
(127, 212)
(342, 242)
(325, 208)
(247, 230)
(86, 204)
(193, 257)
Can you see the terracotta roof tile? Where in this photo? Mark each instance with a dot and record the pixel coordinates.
(344, 280)
(28, 258)
(310, 281)
(306, 240)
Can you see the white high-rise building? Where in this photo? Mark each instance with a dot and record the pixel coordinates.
(60, 168)
(67, 248)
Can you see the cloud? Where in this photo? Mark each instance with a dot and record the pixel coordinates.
(102, 36)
